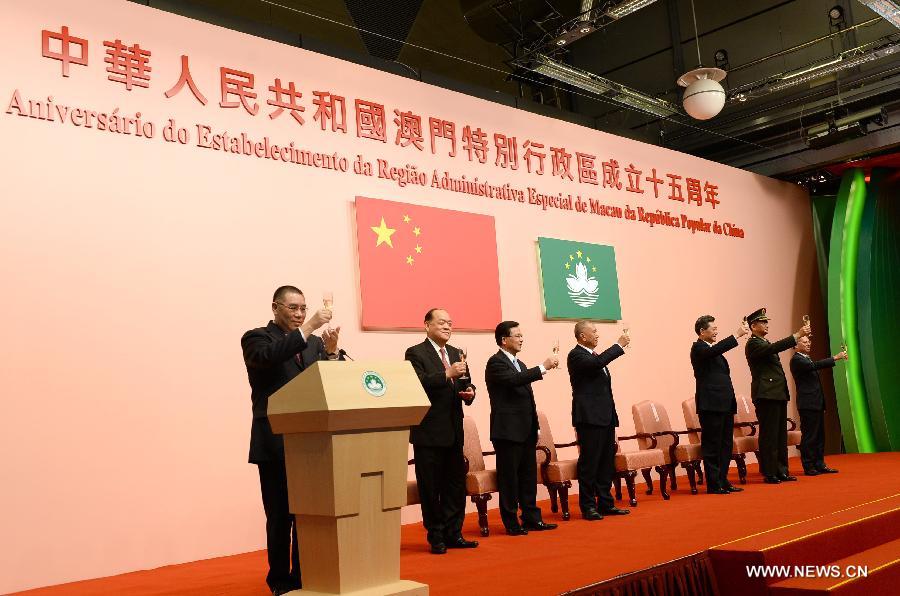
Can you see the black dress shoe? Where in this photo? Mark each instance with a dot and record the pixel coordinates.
(539, 526)
(771, 480)
(439, 548)
(517, 531)
(592, 515)
(827, 470)
(616, 511)
(734, 489)
(811, 472)
(460, 542)
(786, 478)
(717, 491)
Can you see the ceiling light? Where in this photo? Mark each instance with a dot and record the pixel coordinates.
(704, 96)
(597, 85)
(561, 42)
(886, 9)
(628, 7)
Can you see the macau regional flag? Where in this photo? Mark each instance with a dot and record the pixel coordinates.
(578, 280)
(413, 258)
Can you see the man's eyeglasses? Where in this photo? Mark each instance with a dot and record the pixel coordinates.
(292, 307)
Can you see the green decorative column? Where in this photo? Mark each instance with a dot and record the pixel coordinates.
(878, 301)
(849, 385)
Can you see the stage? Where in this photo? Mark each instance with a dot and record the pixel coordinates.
(580, 554)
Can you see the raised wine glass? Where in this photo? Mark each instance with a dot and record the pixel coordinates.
(464, 378)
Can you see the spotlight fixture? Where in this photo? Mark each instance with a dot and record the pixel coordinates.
(721, 55)
(836, 17)
(837, 130)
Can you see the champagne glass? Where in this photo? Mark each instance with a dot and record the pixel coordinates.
(805, 321)
(625, 332)
(462, 358)
(328, 300)
(556, 346)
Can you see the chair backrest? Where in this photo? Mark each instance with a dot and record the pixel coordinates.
(691, 419)
(472, 445)
(650, 417)
(746, 412)
(546, 437)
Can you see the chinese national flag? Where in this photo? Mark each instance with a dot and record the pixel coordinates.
(413, 258)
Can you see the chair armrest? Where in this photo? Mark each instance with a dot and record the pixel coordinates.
(561, 445)
(792, 425)
(752, 426)
(483, 453)
(674, 434)
(546, 452)
(638, 436)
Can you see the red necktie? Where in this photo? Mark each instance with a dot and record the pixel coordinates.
(444, 359)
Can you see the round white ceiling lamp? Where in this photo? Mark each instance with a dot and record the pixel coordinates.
(704, 96)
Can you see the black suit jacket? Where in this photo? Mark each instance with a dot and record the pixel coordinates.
(442, 425)
(269, 355)
(715, 392)
(513, 412)
(806, 377)
(767, 375)
(592, 396)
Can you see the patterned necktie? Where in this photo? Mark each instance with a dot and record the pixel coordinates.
(444, 359)
(516, 364)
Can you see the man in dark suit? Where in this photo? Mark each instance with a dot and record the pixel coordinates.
(595, 420)
(514, 429)
(438, 439)
(716, 405)
(811, 406)
(274, 355)
(769, 392)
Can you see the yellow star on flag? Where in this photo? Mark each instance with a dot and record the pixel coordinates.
(406, 219)
(571, 258)
(579, 253)
(418, 249)
(417, 231)
(594, 269)
(568, 266)
(588, 259)
(409, 260)
(384, 234)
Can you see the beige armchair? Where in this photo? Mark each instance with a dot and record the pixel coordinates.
(652, 420)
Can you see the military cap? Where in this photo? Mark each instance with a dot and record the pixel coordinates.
(757, 315)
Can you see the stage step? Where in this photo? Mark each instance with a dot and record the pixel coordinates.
(821, 541)
(882, 575)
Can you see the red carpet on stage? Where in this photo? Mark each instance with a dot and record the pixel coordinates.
(788, 523)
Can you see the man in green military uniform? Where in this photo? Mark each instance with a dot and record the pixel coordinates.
(769, 392)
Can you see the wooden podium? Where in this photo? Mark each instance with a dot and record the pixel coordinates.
(346, 436)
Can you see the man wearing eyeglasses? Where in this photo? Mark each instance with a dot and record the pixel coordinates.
(274, 355)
